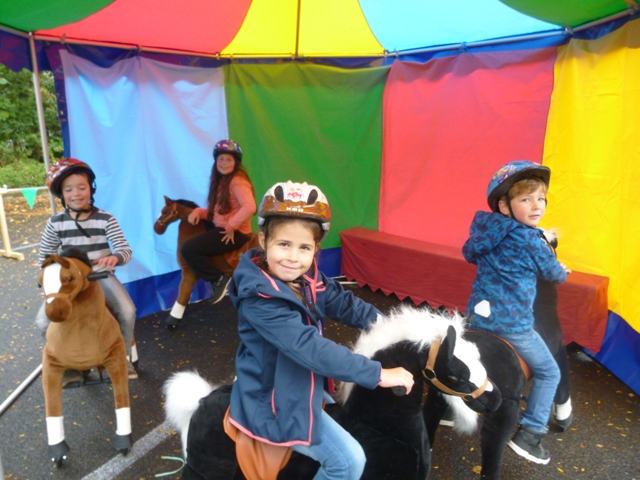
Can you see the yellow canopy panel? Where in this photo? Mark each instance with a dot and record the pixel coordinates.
(593, 120)
(327, 28)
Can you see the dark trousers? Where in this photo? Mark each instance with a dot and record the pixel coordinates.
(196, 251)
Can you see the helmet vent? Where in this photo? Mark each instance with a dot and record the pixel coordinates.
(279, 193)
(313, 196)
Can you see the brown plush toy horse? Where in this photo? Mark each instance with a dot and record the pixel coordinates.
(83, 334)
(179, 210)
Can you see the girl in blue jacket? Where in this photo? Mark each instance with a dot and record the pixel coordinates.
(283, 359)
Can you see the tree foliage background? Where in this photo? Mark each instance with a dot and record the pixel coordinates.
(21, 158)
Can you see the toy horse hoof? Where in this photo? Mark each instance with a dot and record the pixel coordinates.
(172, 322)
(123, 443)
(58, 452)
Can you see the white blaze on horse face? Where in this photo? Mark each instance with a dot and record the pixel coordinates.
(468, 353)
(51, 279)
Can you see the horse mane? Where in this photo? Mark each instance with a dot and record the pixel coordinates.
(76, 253)
(419, 326)
(186, 203)
(416, 325)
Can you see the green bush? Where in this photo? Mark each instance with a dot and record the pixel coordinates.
(23, 174)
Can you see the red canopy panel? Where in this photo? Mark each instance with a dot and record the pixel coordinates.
(199, 26)
(448, 125)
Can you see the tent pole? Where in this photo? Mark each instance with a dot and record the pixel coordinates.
(43, 128)
(297, 31)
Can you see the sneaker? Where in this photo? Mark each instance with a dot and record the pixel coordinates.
(133, 375)
(448, 419)
(219, 288)
(527, 444)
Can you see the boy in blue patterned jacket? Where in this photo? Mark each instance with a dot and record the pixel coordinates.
(511, 255)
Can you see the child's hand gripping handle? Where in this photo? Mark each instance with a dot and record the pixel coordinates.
(398, 379)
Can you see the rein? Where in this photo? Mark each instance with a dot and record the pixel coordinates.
(165, 222)
(430, 374)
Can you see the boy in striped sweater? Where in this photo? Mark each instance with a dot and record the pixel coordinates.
(83, 226)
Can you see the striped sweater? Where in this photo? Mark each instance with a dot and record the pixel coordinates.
(62, 233)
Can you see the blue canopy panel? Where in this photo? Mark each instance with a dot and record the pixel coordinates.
(415, 24)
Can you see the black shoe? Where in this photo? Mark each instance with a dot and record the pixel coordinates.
(527, 444)
(219, 288)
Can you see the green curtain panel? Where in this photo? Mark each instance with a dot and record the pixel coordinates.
(318, 124)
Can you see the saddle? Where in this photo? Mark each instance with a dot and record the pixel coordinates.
(526, 370)
(257, 460)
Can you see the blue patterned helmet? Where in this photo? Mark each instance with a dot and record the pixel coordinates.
(228, 146)
(509, 174)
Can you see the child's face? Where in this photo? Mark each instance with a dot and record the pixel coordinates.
(290, 250)
(76, 191)
(225, 163)
(528, 208)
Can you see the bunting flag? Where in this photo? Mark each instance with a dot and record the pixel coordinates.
(30, 195)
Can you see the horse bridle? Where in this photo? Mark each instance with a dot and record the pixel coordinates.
(429, 373)
(171, 213)
(73, 292)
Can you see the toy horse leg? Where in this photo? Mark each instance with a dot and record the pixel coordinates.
(188, 281)
(496, 432)
(52, 386)
(116, 366)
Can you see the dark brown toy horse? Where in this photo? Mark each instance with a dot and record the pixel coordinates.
(83, 334)
(173, 211)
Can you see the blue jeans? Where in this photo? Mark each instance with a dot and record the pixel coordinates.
(120, 304)
(341, 457)
(546, 376)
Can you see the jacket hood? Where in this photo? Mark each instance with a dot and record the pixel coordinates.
(487, 231)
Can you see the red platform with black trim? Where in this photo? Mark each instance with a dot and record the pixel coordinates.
(439, 275)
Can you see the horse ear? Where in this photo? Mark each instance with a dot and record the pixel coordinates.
(167, 200)
(279, 193)
(448, 345)
(313, 196)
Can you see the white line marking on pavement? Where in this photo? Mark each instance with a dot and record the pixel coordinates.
(118, 464)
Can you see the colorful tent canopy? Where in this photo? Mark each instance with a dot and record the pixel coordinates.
(284, 28)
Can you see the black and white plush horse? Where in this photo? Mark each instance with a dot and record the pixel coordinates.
(390, 428)
(505, 370)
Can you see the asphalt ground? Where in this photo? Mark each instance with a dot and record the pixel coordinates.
(602, 443)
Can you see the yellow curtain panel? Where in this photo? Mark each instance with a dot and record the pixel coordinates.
(592, 149)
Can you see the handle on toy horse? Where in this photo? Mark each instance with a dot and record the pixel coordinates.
(400, 390)
(97, 275)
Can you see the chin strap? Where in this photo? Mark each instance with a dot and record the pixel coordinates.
(78, 212)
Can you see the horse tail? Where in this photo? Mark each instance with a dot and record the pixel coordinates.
(465, 419)
(183, 392)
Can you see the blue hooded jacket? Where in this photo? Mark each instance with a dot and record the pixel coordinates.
(510, 256)
(283, 358)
